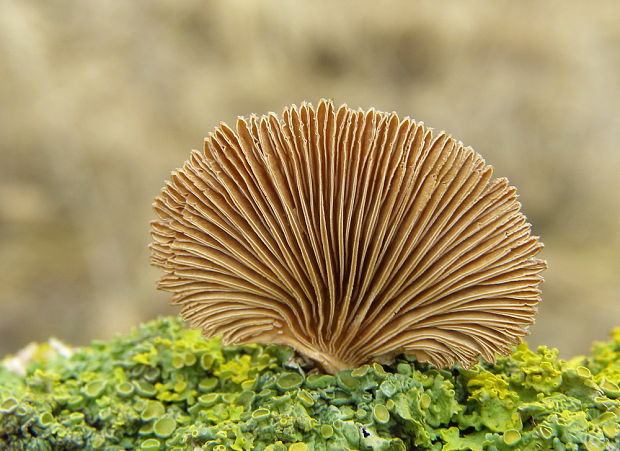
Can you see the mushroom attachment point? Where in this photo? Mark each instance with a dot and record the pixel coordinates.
(349, 235)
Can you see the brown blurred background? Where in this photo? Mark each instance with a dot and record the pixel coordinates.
(100, 100)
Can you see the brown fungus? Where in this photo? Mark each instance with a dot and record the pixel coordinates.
(349, 235)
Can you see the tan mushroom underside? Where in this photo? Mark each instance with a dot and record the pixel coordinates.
(349, 235)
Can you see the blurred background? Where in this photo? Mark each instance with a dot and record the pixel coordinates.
(100, 100)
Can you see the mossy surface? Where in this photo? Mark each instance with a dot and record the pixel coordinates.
(164, 387)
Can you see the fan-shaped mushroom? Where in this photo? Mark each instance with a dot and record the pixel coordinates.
(349, 235)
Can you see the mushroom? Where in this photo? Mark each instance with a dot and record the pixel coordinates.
(349, 235)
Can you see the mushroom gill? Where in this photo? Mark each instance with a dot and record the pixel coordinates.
(349, 235)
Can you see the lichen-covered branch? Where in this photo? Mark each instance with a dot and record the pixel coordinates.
(164, 387)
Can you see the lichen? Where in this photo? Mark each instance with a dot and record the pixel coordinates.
(163, 387)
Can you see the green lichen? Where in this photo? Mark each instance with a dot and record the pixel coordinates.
(164, 387)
